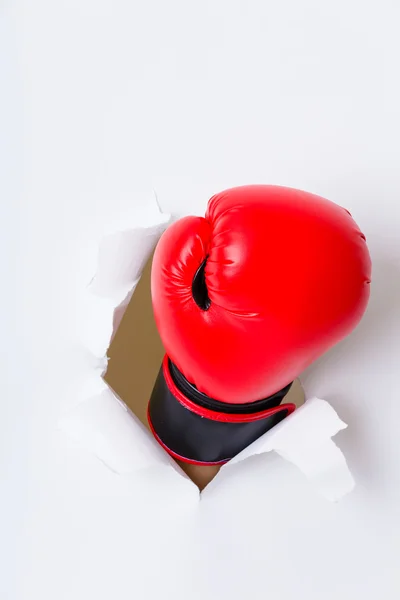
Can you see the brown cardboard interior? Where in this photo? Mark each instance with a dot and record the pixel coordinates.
(135, 356)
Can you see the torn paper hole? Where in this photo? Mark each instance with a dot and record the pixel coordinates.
(106, 427)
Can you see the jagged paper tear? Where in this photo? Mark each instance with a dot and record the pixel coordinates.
(122, 256)
(104, 425)
(304, 439)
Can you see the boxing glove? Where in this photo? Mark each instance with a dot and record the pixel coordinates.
(246, 299)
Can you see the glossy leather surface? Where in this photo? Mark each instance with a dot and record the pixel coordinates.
(287, 276)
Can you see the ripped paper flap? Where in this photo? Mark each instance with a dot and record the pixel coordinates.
(107, 428)
(304, 439)
(104, 426)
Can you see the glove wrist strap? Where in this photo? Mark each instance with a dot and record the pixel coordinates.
(198, 429)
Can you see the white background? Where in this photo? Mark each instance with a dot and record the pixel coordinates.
(100, 102)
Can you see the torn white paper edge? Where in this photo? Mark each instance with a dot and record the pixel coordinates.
(103, 424)
(106, 427)
(99, 421)
(122, 258)
(304, 439)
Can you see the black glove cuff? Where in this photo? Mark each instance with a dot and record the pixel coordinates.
(198, 429)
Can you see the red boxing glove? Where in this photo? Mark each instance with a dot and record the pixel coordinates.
(245, 299)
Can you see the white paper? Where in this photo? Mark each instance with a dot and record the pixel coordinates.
(97, 418)
(103, 424)
(304, 439)
(122, 256)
